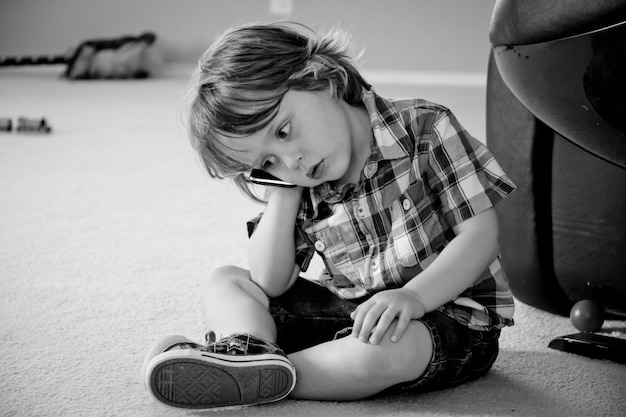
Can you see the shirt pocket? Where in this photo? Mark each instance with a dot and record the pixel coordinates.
(410, 242)
(327, 240)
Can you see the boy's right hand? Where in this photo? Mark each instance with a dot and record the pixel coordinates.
(284, 196)
(295, 192)
(271, 253)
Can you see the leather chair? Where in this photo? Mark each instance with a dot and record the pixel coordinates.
(556, 122)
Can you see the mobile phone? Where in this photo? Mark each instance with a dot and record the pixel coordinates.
(261, 177)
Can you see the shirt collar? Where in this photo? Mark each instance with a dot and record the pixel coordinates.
(390, 135)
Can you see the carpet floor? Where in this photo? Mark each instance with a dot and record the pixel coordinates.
(108, 225)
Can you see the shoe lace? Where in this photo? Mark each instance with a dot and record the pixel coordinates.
(230, 345)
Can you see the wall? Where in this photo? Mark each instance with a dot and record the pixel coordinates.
(407, 35)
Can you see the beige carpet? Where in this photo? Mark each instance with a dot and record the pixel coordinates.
(107, 227)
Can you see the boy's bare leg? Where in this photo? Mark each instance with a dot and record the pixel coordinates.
(343, 369)
(232, 303)
(348, 369)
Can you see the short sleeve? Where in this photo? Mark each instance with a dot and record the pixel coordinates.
(462, 172)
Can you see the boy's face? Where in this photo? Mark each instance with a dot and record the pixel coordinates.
(313, 139)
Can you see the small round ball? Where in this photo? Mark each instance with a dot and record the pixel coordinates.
(587, 316)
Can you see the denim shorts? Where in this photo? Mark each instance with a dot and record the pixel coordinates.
(308, 314)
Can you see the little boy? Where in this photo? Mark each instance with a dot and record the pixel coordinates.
(394, 195)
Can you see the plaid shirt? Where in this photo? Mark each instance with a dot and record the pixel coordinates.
(425, 174)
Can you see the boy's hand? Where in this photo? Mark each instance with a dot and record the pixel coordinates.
(271, 248)
(292, 195)
(374, 316)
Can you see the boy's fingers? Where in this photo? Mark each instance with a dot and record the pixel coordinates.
(366, 326)
(358, 316)
(383, 324)
(401, 326)
(369, 320)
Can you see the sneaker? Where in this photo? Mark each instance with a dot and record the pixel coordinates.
(237, 370)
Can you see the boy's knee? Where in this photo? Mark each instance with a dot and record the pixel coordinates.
(226, 273)
(404, 360)
(415, 355)
(233, 278)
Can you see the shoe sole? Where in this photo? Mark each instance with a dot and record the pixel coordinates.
(199, 380)
(159, 348)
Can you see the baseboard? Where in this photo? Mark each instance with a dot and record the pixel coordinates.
(426, 78)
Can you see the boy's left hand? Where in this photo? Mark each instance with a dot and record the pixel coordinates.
(374, 316)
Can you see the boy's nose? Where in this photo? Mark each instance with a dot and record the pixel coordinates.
(293, 161)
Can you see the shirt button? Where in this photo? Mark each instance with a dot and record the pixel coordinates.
(361, 211)
(320, 246)
(374, 265)
(406, 204)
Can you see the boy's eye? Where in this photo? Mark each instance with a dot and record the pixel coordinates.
(268, 163)
(284, 130)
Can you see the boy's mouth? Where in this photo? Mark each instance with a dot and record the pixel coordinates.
(315, 172)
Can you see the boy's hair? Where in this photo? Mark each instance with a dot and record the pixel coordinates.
(241, 79)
